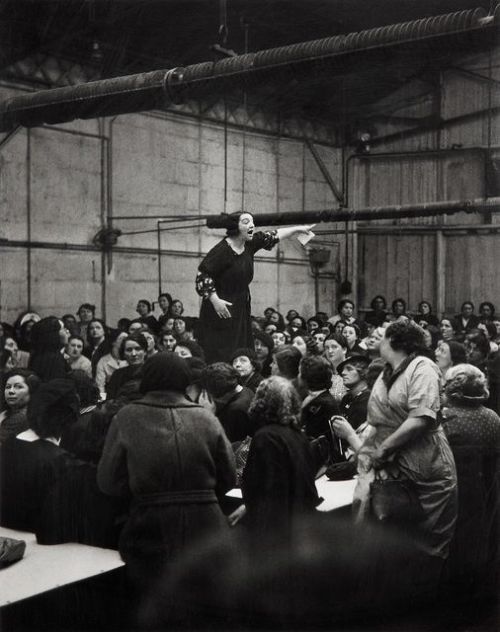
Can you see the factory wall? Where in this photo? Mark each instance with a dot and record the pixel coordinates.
(447, 259)
(59, 188)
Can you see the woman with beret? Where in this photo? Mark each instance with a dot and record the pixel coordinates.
(223, 283)
(172, 458)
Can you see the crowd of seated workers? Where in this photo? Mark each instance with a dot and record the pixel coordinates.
(124, 437)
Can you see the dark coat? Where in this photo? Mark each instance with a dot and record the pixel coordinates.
(278, 482)
(458, 325)
(353, 408)
(315, 421)
(232, 412)
(46, 490)
(173, 458)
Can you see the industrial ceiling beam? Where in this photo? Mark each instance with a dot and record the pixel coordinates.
(152, 90)
(431, 209)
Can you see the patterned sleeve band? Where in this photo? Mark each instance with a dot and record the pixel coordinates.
(270, 239)
(205, 285)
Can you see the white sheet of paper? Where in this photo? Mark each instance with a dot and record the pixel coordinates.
(304, 238)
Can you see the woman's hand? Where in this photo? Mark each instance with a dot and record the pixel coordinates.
(342, 427)
(206, 401)
(379, 458)
(237, 515)
(221, 306)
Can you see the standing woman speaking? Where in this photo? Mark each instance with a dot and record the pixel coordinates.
(223, 283)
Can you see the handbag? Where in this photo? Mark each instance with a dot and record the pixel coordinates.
(11, 551)
(394, 501)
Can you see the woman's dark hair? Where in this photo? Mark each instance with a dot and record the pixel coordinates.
(76, 337)
(288, 360)
(311, 348)
(407, 337)
(303, 325)
(138, 338)
(398, 300)
(53, 407)
(114, 335)
(339, 338)
(316, 372)
(232, 221)
(376, 298)
(193, 346)
(313, 319)
(177, 300)
(219, 378)
(281, 321)
(477, 337)
(490, 327)
(419, 308)
(167, 296)
(356, 329)
(266, 339)
(289, 315)
(102, 323)
(276, 402)
(30, 377)
(145, 302)
(457, 352)
(86, 388)
(165, 371)
(123, 324)
(343, 302)
(196, 367)
(467, 303)
(487, 304)
(88, 306)
(45, 335)
(248, 353)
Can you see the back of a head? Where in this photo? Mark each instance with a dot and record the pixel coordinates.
(288, 360)
(54, 406)
(316, 372)
(45, 335)
(276, 401)
(165, 371)
(466, 384)
(86, 388)
(220, 378)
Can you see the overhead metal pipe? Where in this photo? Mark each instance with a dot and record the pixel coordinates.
(151, 90)
(431, 209)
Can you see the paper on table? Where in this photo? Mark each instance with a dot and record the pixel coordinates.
(304, 238)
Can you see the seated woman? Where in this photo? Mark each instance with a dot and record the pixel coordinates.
(168, 340)
(164, 303)
(18, 359)
(264, 346)
(98, 342)
(304, 342)
(335, 350)
(352, 335)
(48, 338)
(110, 362)
(424, 315)
(189, 349)
(74, 352)
(278, 480)
(378, 311)
(19, 386)
(318, 405)
(46, 490)
(448, 354)
(230, 400)
(474, 435)
(133, 351)
(447, 329)
(354, 404)
(173, 458)
(246, 364)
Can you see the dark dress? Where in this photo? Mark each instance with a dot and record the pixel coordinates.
(278, 483)
(354, 408)
(232, 412)
(230, 274)
(45, 490)
(473, 432)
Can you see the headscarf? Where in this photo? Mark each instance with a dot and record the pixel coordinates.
(165, 371)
